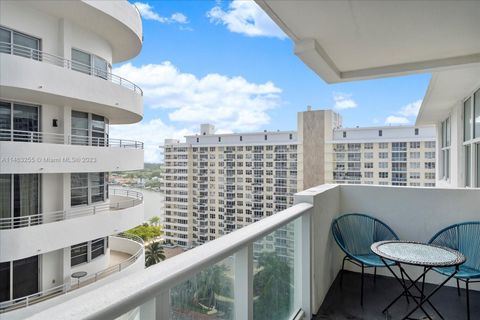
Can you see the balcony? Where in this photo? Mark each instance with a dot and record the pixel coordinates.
(57, 81)
(44, 152)
(306, 272)
(126, 255)
(22, 237)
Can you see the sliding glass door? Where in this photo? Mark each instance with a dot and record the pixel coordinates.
(25, 277)
(89, 129)
(88, 188)
(19, 196)
(22, 118)
(80, 130)
(18, 278)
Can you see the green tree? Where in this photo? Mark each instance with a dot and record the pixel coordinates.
(154, 221)
(146, 232)
(154, 254)
(272, 288)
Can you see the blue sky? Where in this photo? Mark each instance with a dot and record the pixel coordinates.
(228, 64)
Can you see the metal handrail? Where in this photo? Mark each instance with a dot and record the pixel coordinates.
(48, 217)
(48, 293)
(58, 138)
(30, 299)
(121, 265)
(34, 54)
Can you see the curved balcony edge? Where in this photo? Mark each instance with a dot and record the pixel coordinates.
(32, 80)
(33, 157)
(20, 243)
(123, 243)
(119, 22)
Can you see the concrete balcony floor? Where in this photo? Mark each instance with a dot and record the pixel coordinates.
(342, 303)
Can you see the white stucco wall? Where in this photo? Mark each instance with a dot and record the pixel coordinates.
(413, 213)
(25, 242)
(26, 157)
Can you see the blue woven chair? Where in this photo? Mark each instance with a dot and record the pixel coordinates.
(463, 237)
(354, 234)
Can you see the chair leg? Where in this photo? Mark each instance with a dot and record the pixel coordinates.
(361, 290)
(458, 287)
(342, 272)
(375, 275)
(468, 300)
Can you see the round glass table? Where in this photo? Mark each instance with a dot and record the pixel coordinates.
(418, 254)
(78, 275)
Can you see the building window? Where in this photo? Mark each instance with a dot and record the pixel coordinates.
(414, 145)
(368, 145)
(19, 44)
(383, 165)
(344, 134)
(89, 129)
(430, 144)
(383, 145)
(380, 133)
(416, 131)
(87, 188)
(414, 155)
(219, 139)
(79, 254)
(90, 64)
(471, 133)
(19, 196)
(87, 251)
(383, 155)
(446, 138)
(16, 119)
(383, 175)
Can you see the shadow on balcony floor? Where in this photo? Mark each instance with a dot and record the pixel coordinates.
(344, 303)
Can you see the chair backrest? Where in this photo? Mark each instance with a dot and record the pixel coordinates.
(464, 237)
(356, 232)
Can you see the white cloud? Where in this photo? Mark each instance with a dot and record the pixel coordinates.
(406, 114)
(396, 120)
(152, 133)
(344, 101)
(411, 109)
(230, 103)
(148, 13)
(247, 18)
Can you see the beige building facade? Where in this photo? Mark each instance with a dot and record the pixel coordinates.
(217, 183)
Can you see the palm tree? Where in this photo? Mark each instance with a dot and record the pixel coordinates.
(154, 254)
(154, 221)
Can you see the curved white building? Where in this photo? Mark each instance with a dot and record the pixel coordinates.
(57, 100)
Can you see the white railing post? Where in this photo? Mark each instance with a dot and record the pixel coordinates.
(243, 286)
(303, 264)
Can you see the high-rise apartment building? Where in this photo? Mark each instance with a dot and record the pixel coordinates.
(217, 183)
(396, 155)
(58, 218)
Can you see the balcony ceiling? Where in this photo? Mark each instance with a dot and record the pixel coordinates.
(447, 89)
(351, 40)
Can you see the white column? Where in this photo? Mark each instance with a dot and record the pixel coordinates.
(243, 286)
